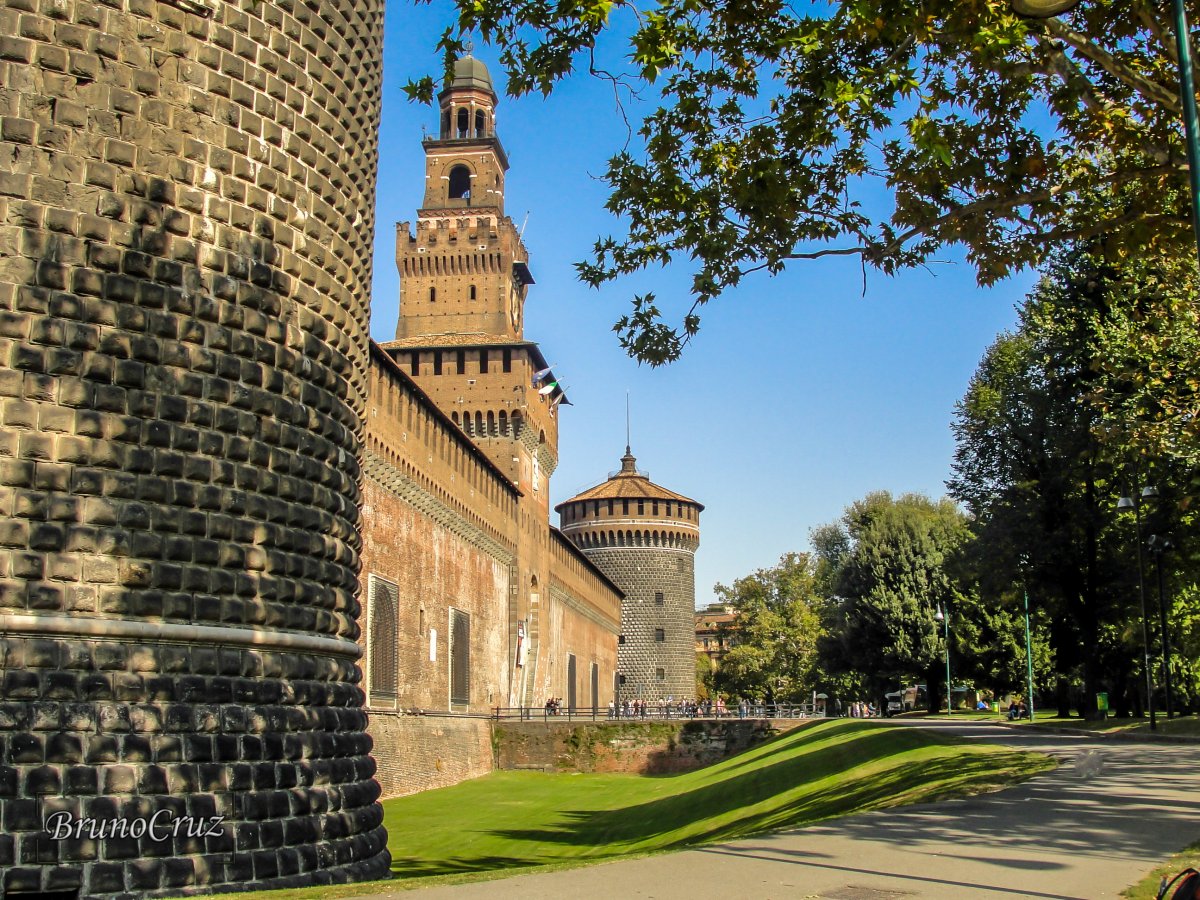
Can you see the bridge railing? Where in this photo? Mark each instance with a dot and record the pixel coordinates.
(627, 712)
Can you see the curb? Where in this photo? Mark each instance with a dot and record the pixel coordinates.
(1140, 738)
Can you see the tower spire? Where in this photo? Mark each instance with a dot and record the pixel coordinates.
(627, 441)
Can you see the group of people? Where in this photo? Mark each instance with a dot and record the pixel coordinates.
(670, 708)
(856, 709)
(1018, 709)
(554, 706)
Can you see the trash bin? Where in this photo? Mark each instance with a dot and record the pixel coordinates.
(1102, 703)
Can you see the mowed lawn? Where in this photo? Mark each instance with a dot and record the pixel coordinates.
(510, 820)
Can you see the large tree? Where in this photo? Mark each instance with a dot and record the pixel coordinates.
(776, 628)
(1084, 402)
(891, 575)
(777, 127)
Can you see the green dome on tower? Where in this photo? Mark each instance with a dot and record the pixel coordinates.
(471, 73)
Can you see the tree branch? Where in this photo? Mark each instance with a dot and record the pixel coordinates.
(1149, 89)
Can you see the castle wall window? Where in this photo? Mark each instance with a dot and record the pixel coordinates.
(433, 295)
(654, 510)
(660, 636)
(660, 674)
(437, 362)
(624, 507)
(460, 657)
(610, 507)
(620, 639)
(571, 681)
(506, 359)
(461, 362)
(383, 641)
(658, 598)
(414, 363)
(464, 123)
(460, 183)
(472, 292)
(641, 507)
(483, 362)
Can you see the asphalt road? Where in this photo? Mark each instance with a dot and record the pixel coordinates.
(1087, 830)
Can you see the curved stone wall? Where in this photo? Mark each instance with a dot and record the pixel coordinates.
(186, 191)
(643, 573)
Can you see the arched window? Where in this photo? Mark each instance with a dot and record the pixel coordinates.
(503, 423)
(460, 183)
(479, 123)
(464, 123)
(446, 124)
(383, 641)
(432, 294)
(472, 292)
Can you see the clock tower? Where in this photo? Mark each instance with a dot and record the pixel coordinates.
(464, 278)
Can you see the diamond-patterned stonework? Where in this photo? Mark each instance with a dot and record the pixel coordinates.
(185, 226)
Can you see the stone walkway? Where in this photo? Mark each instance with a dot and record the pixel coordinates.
(1089, 829)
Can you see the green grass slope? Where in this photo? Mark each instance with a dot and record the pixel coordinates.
(511, 820)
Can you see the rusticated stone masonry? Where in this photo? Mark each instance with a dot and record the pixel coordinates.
(185, 222)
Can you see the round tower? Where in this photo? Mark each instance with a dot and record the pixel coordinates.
(644, 538)
(185, 224)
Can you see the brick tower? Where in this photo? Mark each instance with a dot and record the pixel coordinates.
(644, 538)
(186, 190)
(464, 278)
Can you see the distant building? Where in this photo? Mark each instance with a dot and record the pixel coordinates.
(715, 631)
(644, 538)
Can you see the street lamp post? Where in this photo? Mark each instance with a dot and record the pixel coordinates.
(1028, 652)
(1133, 502)
(944, 618)
(1160, 544)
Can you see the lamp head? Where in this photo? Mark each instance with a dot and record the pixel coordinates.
(1125, 503)
(1041, 9)
(939, 615)
(1149, 491)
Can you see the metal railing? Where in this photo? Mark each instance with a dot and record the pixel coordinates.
(657, 711)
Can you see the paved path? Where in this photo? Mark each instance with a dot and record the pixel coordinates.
(1073, 833)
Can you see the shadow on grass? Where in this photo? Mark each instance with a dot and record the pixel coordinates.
(709, 811)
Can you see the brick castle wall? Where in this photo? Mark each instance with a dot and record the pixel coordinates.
(435, 751)
(646, 747)
(185, 225)
(444, 525)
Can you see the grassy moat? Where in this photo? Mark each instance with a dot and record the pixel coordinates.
(507, 822)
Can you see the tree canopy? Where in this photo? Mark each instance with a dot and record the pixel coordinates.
(768, 129)
(893, 574)
(1089, 399)
(777, 627)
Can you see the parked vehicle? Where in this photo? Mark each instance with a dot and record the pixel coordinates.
(906, 699)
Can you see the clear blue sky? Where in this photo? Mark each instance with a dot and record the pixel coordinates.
(799, 396)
